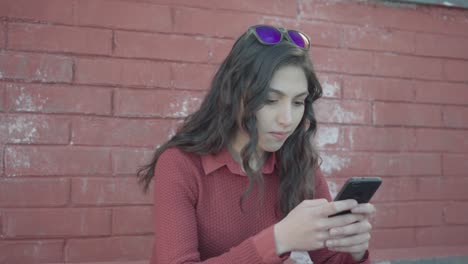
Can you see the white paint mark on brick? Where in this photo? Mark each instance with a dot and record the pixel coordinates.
(351, 138)
(342, 116)
(171, 133)
(333, 187)
(332, 163)
(330, 89)
(182, 109)
(326, 136)
(22, 130)
(26, 102)
(18, 160)
(84, 186)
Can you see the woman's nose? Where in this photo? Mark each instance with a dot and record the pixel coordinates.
(284, 115)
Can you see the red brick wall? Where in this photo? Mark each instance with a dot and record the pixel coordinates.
(88, 88)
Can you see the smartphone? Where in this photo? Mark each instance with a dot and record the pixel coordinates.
(360, 189)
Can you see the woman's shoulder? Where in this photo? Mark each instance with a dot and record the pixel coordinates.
(175, 156)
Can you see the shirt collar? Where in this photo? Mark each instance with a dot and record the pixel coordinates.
(212, 162)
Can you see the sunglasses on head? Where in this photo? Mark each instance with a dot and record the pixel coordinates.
(269, 35)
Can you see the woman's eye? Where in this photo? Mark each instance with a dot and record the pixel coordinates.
(299, 103)
(271, 101)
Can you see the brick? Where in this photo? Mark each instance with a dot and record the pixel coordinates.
(127, 161)
(444, 235)
(379, 138)
(421, 254)
(370, 88)
(125, 15)
(408, 66)
(455, 116)
(312, 9)
(2, 97)
(400, 189)
(112, 262)
(206, 22)
(33, 192)
(441, 93)
(456, 70)
(115, 132)
(455, 164)
(328, 137)
(43, 222)
(322, 34)
(193, 76)
(59, 39)
(456, 213)
(35, 67)
(393, 238)
(123, 72)
(57, 11)
(350, 112)
(343, 61)
(34, 129)
(109, 249)
(132, 220)
(364, 13)
(441, 45)
(407, 114)
(409, 214)
(275, 7)
(23, 97)
(50, 160)
(169, 103)
(219, 49)
(108, 191)
(441, 140)
(159, 46)
(2, 35)
(332, 85)
(31, 251)
(431, 188)
(378, 39)
(347, 164)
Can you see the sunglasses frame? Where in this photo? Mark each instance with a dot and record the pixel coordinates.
(284, 34)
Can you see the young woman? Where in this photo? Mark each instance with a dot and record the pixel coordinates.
(240, 180)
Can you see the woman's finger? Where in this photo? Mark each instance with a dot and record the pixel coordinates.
(352, 229)
(342, 220)
(348, 241)
(351, 249)
(365, 208)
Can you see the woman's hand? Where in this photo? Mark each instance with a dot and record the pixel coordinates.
(353, 238)
(307, 226)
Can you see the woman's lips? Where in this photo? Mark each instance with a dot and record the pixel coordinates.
(279, 135)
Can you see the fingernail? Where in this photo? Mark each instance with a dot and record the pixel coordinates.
(330, 243)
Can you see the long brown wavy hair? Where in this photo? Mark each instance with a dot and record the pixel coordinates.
(238, 90)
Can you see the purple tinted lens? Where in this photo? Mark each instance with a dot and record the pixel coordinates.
(298, 38)
(269, 35)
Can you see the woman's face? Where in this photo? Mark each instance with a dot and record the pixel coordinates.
(283, 110)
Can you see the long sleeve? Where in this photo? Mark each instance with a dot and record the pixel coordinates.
(176, 234)
(324, 255)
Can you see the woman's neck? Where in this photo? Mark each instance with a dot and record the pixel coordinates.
(255, 164)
